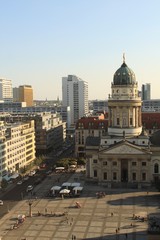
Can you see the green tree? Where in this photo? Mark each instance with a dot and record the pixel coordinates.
(4, 183)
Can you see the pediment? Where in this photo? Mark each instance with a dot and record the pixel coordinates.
(124, 148)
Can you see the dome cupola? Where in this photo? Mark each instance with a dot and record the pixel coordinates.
(124, 75)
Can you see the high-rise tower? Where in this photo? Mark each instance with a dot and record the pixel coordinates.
(75, 95)
(26, 95)
(146, 91)
(6, 93)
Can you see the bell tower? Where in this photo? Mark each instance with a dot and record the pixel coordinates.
(124, 104)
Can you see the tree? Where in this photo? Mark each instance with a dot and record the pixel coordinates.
(4, 183)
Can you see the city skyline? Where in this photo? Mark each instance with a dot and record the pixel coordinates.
(44, 41)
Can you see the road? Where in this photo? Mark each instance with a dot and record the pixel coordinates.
(18, 192)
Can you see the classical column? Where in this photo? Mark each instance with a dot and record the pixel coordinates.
(128, 116)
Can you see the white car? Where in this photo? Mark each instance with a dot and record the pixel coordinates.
(29, 188)
(19, 183)
(1, 203)
(32, 173)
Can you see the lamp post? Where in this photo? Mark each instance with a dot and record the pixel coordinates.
(30, 202)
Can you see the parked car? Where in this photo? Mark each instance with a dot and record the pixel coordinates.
(1, 203)
(32, 173)
(29, 188)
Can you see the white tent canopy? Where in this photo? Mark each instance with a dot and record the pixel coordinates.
(75, 184)
(77, 189)
(64, 191)
(55, 188)
(66, 184)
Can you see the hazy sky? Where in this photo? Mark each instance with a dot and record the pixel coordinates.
(44, 40)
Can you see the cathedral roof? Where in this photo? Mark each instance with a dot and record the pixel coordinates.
(124, 76)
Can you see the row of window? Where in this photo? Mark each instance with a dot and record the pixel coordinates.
(114, 176)
(115, 163)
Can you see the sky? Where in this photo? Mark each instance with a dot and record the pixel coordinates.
(44, 40)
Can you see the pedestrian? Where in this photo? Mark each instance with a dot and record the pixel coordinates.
(126, 235)
(116, 231)
(111, 214)
(45, 210)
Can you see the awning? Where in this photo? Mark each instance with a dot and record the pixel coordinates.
(59, 168)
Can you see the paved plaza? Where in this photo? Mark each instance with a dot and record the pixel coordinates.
(93, 220)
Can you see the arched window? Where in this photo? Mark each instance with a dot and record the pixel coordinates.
(156, 168)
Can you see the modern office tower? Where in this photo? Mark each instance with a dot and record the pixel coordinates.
(75, 95)
(146, 91)
(6, 93)
(26, 95)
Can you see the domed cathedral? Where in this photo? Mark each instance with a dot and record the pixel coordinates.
(124, 104)
(125, 155)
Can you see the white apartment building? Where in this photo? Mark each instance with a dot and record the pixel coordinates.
(75, 95)
(17, 146)
(6, 92)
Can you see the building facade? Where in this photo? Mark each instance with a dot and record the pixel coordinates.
(6, 93)
(125, 154)
(50, 130)
(26, 95)
(75, 95)
(146, 91)
(93, 126)
(17, 146)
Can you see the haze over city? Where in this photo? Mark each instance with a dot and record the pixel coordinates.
(43, 41)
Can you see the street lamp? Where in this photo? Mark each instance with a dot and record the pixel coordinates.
(30, 202)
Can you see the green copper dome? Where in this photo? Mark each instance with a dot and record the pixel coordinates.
(124, 76)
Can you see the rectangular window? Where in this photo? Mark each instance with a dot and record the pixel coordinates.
(134, 176)
(131, 122)
(105, 175)
(114, 176)
(134, 163)
(94, 160)
(105, 163)
(95, 173)
(144, 163)
(117, 121)
(114, 163)
(143, 176)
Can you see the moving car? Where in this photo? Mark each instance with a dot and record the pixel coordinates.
(29, 188)
(19, 182)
